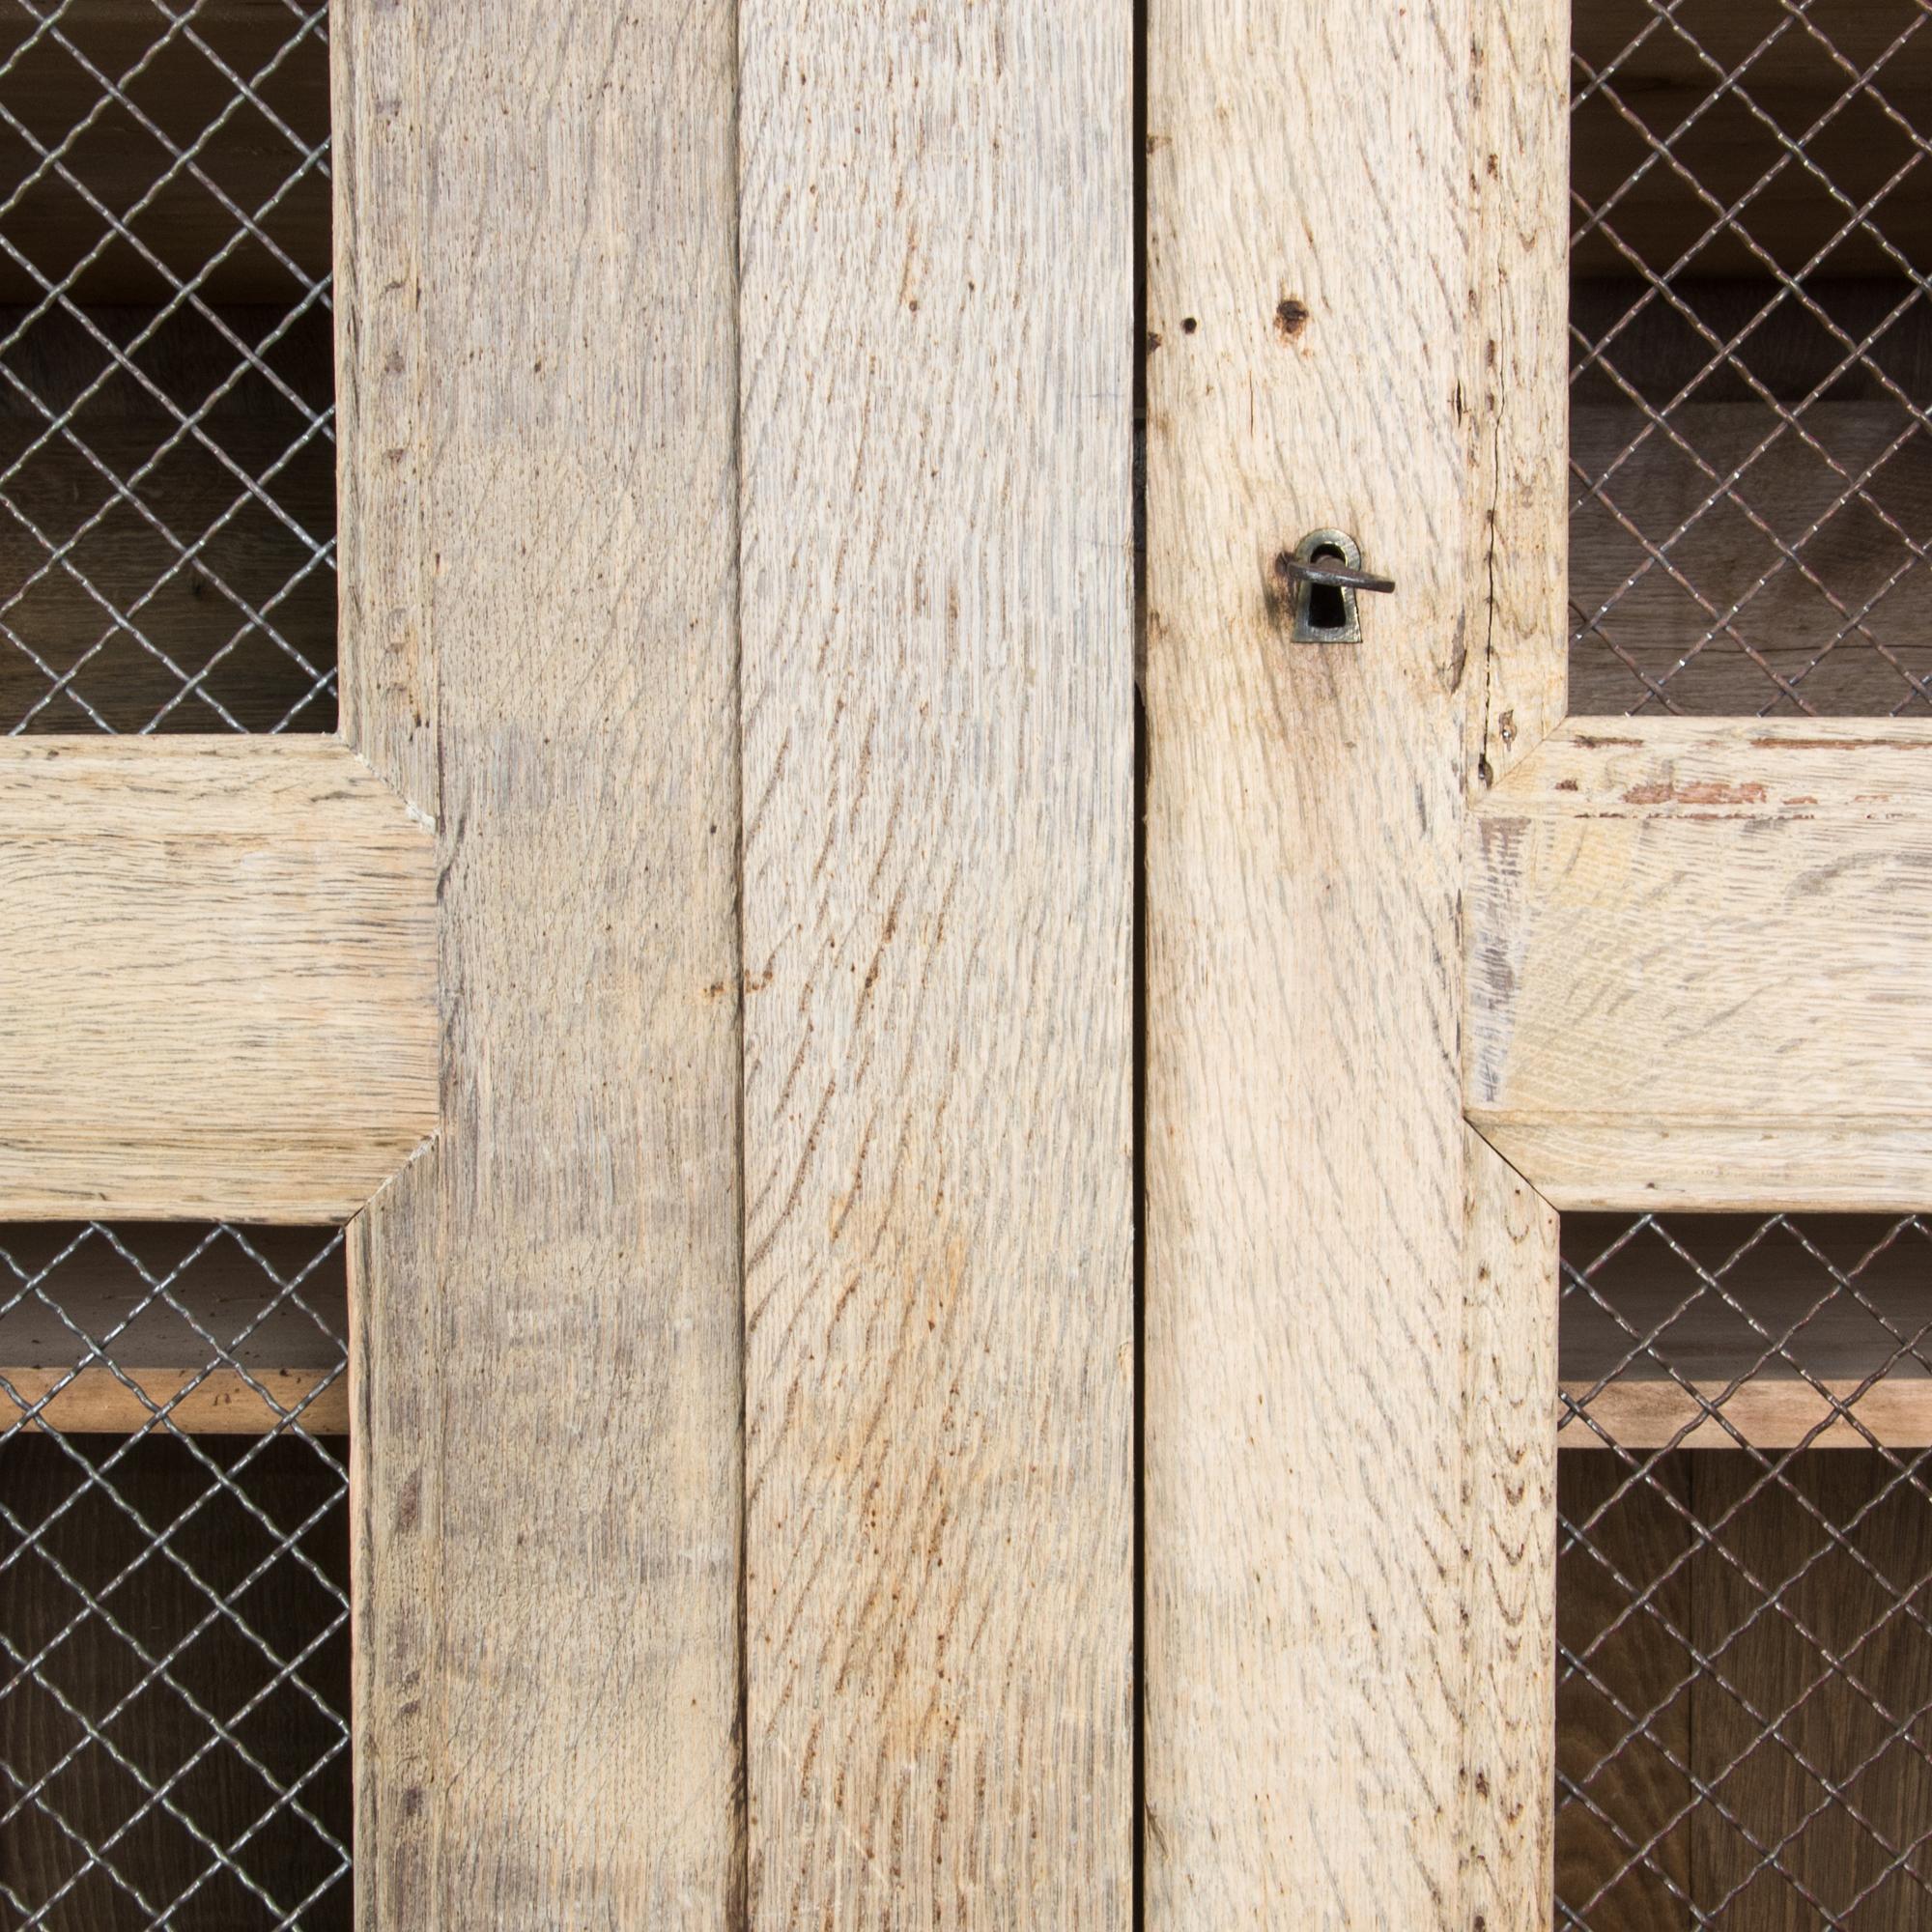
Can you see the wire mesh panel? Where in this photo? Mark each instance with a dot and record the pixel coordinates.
(166, 387)
(1751, 348)
(1745, 1728)
(1744, 1657)
(174, 1736)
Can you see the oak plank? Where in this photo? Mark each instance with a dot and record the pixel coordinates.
(1508, 1595)
(1769, 1412)
(197, 1402)
(938, 656)
(233, 1012)
(1698, 952)
(1356, 319)
(537, 379)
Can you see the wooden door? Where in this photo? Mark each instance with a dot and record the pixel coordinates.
(1429, 963)
(951, 1140)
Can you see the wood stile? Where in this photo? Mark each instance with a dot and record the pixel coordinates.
(536, 381)
(938, 727)
(1354, 321)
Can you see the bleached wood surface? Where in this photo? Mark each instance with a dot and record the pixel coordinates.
(1698, 952)
(937, 639)
(227, 1009)
(535, 222)
(1357, 320)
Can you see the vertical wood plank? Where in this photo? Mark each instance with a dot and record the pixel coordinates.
(1509, 1577)
(1355, 318)
(537, 355)
(937, 323)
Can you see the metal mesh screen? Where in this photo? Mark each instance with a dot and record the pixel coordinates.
(174, 1736)
(174, 1731)
(1751, 352)
(166, 388)
(1745, 1660)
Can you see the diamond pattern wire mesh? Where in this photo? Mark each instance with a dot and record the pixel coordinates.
(1745, 1656)
(1745, 1660)
(1751, 352)
(166, 389)
(174, 1737)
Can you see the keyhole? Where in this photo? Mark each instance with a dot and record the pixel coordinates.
(1325, 613)
(1328, 603)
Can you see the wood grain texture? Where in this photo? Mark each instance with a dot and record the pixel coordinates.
(1697, 957)
(536, 367)
(1355, 319)
(123, 1401)
(1772, 1413)
(1509, 1593)
(231, 1009)
(938, 653)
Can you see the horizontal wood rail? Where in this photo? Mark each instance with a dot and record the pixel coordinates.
(1698, 960)
(217, 991)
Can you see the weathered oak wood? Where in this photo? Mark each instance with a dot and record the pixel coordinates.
(198, 1401)
(1356, 319)
(229, 1008)
(537, 383)
(938, 657)
(1698, 954)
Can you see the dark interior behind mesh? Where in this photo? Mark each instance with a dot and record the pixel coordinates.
(1744, 1697)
